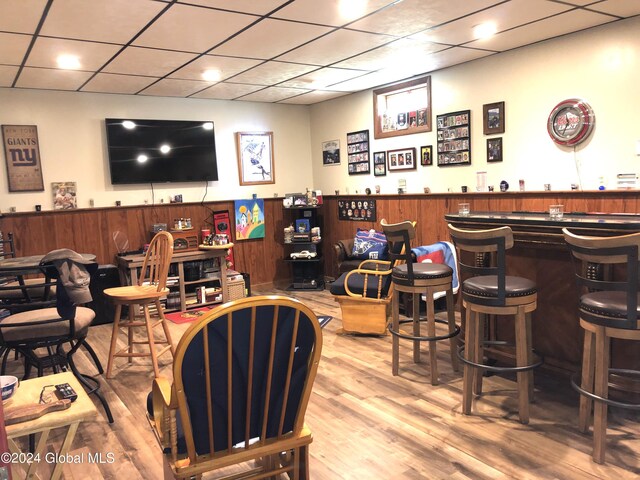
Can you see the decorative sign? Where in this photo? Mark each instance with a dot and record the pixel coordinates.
(362, 208)
(454, 138)
(64, 195)
(22, 153)
(249, 219)
(358, 152)
(221, 225)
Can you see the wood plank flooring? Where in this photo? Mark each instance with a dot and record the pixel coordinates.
(368, 424)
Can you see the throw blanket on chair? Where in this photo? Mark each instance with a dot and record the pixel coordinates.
(440, 252)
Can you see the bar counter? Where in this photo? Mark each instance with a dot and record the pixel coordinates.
(540, 254)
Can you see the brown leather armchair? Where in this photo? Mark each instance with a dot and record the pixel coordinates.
(344, 261)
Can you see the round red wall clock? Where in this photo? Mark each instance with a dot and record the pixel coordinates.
(571, 122)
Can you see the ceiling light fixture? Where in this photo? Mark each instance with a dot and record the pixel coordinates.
(128, 124)
(68, 62)
(165, 148)
(351, 9)
(208, 126)
(484, 30)
(212, 75)
(142, 158)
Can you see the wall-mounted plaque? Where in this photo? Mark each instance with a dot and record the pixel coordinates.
(22, 154)
(454, 138)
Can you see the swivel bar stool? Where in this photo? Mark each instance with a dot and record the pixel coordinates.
(607, 273)
(490, 291)
(418, 279)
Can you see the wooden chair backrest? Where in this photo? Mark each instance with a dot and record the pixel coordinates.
(399, 236)
(594, 259)
(155, 266)
(243, 374)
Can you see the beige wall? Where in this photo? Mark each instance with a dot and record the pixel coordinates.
(601, 65)
(73, 144)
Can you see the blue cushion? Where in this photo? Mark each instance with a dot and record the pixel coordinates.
(356, 285)
(370, 245)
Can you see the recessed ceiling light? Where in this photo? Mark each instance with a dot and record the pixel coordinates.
(208, 126)
(484, 30)
(212, 75)
(128, 124)
(165, 148)
(68, 62)
(352, 9)
(142, 158)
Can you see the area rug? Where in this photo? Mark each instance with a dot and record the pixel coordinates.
(188, 316)
(324, 319)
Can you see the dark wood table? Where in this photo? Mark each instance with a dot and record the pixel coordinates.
(540, 254)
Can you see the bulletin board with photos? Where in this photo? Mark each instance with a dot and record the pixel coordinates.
(358, 152)
(454, 138)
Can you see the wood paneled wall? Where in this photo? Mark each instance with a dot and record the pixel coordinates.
(91, 230)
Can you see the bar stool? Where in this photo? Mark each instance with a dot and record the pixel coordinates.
(490, 291)
(608, 309)
(150, 289)
(418, 279)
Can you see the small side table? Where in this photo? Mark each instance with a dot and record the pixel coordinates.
(29, 393)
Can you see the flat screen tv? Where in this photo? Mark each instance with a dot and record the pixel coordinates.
(158, 151)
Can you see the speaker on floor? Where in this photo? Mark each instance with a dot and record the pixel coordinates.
(107, 276)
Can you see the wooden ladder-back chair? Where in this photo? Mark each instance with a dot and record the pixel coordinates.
(242, 379)
(150, 289)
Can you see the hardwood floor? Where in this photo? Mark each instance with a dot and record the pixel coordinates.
(368, 424)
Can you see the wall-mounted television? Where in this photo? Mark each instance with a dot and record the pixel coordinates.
(158, 151)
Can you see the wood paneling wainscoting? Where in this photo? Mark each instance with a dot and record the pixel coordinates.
(91, 230)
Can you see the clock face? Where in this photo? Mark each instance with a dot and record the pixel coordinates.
(570, 122)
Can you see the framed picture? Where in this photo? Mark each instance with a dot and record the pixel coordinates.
(380, 164)
(64, 195)
(331, 152)
(403, 108)
(494, 149)
(358, 152)
(255, 157)
(249, 218)
(357, 208)
(303, 225)
(22, 154)
(454, 138)
(426, 155)
(493, 118)
(401, 159)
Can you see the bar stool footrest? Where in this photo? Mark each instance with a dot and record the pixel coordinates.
(492, 368)
(598, 398)
(436, 338)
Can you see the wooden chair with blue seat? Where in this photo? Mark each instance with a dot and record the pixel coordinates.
(242, 379)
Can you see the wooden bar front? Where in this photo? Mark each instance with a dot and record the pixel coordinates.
(540, 254)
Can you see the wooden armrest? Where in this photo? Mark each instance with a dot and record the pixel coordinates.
(375, 264)
(164, 400)
(380, 274)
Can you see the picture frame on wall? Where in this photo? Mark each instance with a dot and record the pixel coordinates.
(380, 164)
(494, 149)
(426, 155)
(22, 155)
(358, 152)
(331, 152)
(401, 159)
(402, 109)
(255, 158)
(454, 138)
(493, 118)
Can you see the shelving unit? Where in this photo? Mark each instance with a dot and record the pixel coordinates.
(307, 273)
(129, 267)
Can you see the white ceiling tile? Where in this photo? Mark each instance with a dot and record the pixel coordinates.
(505, 16)
(228, 67)
(535, 32)
(270, 38)
(148, 61)
(113, 83)
(192, 29)
(453, 56)
(50, 79)
(322, 78)
(411, 16)
(270, 73)
(365, 82)
(170, 87)
(395, 53)
(92, 55)
(622, 8)
(335, 47)
(314, 97)
(581, 3)
(261, 7)
(227, 91)
(95, 20)
(13, 47)
(273, 94)
(7, 75)
(328, 13)
(20, 16)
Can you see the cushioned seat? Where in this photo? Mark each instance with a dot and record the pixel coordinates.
(421, 271)
(356, 284)
(609, 304)
(49, 324)
(487, 286)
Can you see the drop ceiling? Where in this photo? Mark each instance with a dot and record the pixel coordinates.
(296, 51)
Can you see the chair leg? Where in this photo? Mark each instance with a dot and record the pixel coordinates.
(478, 349)
(395, 341)
(469, 354)
(530, 355)
(114, 339)
(165, 327)
(601, 389)
(416, 326)
(453, 341)
(132, 318)
(431, 332)
(304, 462)
(93, 355)
(152, 345)
(522, 357)
(588, 366)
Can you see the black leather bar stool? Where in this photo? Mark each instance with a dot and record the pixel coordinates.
(418, 279)
(490, 291)
(608, 308)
